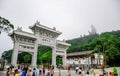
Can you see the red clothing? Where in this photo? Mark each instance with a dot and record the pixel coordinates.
(68, 67)
(101, 75)
(43, 68)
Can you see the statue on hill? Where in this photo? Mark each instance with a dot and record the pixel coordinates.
(93, 30)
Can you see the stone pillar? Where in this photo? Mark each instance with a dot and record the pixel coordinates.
(64, 59)
(54, 56)
(15, 54)
(34, 56)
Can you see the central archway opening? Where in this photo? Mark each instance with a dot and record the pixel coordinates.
(59, 61)
(24, 58)
(44, 55)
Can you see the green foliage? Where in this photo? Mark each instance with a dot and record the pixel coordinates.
(44, 53)
(5, 25)
(26, 58)
(58, 61)
(7, 55)
(106, 45)
(82, 43)
(46, 56)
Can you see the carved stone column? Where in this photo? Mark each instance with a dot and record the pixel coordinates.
(54, 56)
(15, 54)
(34, 59)
(34, 55)
(64, 59)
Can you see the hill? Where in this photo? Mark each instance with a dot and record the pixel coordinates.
(86, 43)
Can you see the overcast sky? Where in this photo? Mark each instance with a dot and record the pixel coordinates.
(72, 17)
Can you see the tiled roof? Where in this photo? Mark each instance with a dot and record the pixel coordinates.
(44, 27)
(63, 43)
(79, 53)
(23, 33)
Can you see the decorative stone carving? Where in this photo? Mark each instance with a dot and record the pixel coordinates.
(19, 28)
(42, 35)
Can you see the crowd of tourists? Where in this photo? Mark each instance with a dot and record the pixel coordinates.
(88, 71)
(49, 71)
(28, 71)
(79, 71)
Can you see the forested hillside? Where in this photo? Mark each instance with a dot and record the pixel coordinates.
(86, 42)
(107, 44)
(81, 44)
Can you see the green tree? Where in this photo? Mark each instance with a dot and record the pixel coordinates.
(26, 58)
(7, 55)
(5, 25)
(105, 45)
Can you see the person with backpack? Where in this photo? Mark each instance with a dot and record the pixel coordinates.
(34, 72)
(23, 72)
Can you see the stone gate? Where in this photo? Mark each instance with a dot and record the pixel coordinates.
(42, 35)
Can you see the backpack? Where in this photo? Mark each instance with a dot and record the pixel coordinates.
(48, 74)
(33, 73)
(23, 73)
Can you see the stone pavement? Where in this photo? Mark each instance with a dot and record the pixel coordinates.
(96, 72)
(62, 73)
(2, 73)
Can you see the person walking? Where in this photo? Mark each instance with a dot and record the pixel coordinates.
(87, 74)
(16, 73)
(48, 72)
(8, 72)
(34, 72)
(51, 71)
(68, 68)
(40, 70)
(43, 70)
(29, 72)
(23, 72)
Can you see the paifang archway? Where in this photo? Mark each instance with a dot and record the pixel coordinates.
(42, 35)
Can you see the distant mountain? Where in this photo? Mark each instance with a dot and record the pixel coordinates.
(84, 43)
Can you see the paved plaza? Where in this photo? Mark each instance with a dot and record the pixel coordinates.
(96, 72)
